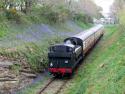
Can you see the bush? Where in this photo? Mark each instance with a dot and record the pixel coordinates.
(54, 15)
(122, 17)
(83, 18)
(63, 13)
(36, 57)
(48, 13)
(2, 17)
(3, 25)
(3, 29)
(13, 15)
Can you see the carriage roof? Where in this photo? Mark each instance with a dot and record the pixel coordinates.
(85, 34)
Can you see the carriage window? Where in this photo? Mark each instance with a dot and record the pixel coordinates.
(71, 42)
(68, 42)
(74, 42)
(84, 44)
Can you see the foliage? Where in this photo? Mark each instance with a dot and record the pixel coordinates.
(118, 10)
(83, 18)
(3, 29)
(51, 15)
(51, 11)
(37, 56)
(54, 15)
(2, 17)
(12, 14)
(84, 25)
(122, 17)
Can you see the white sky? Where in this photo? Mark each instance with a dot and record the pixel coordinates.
(105, 4)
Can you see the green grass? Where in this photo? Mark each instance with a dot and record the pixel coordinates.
(84, 25)
(3, 29)
(104, 69)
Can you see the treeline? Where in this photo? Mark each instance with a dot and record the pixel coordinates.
(48, 11)
(118, 10)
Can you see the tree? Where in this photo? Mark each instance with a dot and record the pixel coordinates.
(118, 10)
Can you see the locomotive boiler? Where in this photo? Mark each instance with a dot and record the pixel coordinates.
(63, 58)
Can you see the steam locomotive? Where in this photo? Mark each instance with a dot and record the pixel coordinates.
(63, 58)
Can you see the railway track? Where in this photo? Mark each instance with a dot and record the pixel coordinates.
(54, 86)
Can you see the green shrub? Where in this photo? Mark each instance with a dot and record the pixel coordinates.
(13, 15)
(48, 13)
(122, 17)
(2, 17)
(3, 29)
(83, 18)
(36, 57)
(63, 13)
(54, 15)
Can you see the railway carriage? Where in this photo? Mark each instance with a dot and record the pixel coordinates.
(63, 58)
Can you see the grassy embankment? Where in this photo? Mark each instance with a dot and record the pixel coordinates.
(34, 54)
(103, 71)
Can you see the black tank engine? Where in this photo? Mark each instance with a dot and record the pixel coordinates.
(63, 58)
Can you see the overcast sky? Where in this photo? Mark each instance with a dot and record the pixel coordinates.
(105, 4)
